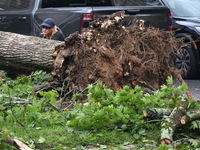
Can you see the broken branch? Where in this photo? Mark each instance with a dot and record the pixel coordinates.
(191, 115)
(17, 144)
(170, 123)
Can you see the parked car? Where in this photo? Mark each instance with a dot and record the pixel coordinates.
(25, 16)
(185, 23)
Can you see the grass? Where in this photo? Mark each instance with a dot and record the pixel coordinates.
(58, 137)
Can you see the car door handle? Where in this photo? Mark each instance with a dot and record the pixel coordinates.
(22, 18)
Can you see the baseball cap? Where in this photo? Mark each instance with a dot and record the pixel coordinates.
(48, 22)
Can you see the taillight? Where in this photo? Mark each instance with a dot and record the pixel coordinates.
(169, 22)
(85, 21)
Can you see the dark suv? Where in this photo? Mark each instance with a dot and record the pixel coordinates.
(185, 23)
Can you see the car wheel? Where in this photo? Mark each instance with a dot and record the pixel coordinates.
(186, 62)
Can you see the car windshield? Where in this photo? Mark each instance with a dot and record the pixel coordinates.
(187, 8)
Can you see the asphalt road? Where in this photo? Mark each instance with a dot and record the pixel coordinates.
(194, 86)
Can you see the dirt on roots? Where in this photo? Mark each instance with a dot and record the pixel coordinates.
(116, 55)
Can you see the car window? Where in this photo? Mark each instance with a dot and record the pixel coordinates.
(154, 3)
(187, 8)
(99, 3)
(74, 3)
(19, 4)
(130, 2)
(2, 4)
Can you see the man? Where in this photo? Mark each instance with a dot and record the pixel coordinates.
(51, 31)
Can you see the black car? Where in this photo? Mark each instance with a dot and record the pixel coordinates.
(186, 24)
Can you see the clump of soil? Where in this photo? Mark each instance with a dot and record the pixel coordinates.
(116, 55)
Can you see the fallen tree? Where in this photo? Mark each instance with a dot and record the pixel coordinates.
(119, 56)
(107, 51)
(24, 54)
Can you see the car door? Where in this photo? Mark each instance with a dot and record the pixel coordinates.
(15, 16)
(3, 8)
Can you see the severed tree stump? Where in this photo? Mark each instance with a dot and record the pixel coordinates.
(191, 115)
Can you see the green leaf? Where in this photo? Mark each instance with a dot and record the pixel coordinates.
(77, 96)
(2, 107)
(193, 142)
(170, 80)
(5, 135)
(41, 140)
(103, 146)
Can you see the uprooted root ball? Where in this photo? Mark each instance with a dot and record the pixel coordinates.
(116, 55)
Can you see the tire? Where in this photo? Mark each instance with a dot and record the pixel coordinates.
(187, 63)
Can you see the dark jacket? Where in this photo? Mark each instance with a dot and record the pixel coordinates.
(58, 36)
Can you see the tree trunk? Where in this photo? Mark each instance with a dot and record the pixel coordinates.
(170, 123)
(23, 54)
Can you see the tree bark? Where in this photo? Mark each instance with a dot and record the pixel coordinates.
(24, 54)
(170, 123)
(156, 112)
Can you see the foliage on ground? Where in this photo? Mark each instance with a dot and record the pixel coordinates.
(108, 119)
